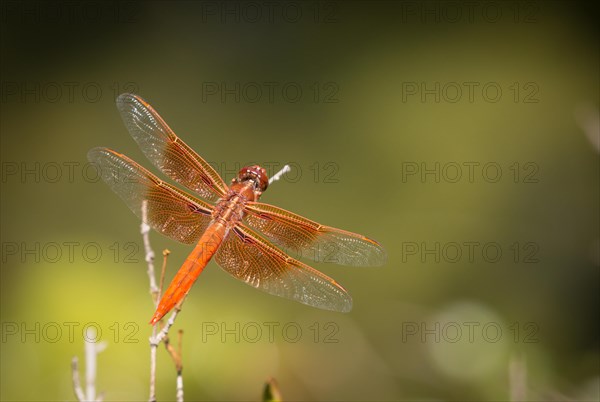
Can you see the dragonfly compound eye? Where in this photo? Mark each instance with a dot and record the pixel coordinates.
(257, 173)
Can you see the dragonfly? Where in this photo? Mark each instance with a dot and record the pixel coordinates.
(250, 240)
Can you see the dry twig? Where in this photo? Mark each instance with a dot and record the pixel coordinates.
(91, 352)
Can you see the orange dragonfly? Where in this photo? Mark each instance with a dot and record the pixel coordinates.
(228, 227)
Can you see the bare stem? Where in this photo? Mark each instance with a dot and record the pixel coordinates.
(179, 365)
(156, 292)
(76, 381)
(179, 393)
(278, 175)
(155, 340)
(90, 365)
(145, 230)
(176, 356)
(91, 352)
(162, 273)
(152, 396)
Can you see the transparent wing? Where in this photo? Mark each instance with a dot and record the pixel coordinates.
(306, 238)
(167, 151)
(251, 259)
(169, 210)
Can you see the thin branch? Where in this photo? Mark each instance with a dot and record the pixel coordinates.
(76, 381)
(152, 396)
(149, 256)
(278, 175)
(163, 271)
(155, 340)
(175, 353)
(179, 391)
(177, 357)
(179, 394)
(90, 365)
(156, 292)
(91, 352)
(156, 298)
(180, 349)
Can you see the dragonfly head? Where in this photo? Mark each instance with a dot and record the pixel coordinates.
(257, 174)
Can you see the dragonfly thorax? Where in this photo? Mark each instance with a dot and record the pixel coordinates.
(230, 209)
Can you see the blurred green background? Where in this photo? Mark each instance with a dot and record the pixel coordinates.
(383, 123)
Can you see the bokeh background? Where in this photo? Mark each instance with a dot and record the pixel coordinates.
(382, 108)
